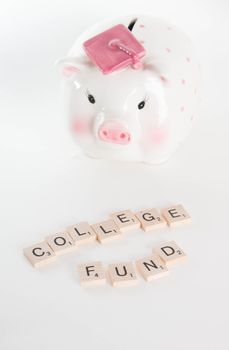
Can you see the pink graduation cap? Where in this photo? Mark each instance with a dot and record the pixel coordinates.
(114, 49)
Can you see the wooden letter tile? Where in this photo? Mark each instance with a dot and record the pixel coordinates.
(82, 233)
(152, 267)
(150, 219)
(122, 274)
(175, 215)
(60, 243)
(170, 253)
(92, 273)
(39, 254)
(125, 220)
(106, 231)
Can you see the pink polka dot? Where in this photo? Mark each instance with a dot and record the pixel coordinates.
(142, 26)
(182, 109)
(188, 59)
(183, 81)
(163, 78)
(168, 49)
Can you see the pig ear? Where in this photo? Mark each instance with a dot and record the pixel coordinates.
(70, 66)
(151, 64)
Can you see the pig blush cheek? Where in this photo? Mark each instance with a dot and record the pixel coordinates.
(158, 136)
(80, 126)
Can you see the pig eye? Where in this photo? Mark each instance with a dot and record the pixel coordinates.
(91, 98)
(141, 104)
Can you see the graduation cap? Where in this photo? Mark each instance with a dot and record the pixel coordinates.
(114, 49)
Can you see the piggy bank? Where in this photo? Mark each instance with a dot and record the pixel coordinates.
(131, 89)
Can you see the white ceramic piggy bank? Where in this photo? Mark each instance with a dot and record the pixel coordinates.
(138, 112)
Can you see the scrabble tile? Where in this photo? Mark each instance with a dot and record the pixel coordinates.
(82, 233)
(92, 273)
(152, 267)
(60, 243)
(39, 254)
(125, 220)
(122, 274)
(106, 231)
(170, 253)
(175, 215)
(150, 219)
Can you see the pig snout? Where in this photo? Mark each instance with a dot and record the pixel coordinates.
(114, 132)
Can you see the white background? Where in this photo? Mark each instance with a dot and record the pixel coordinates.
(44, 188)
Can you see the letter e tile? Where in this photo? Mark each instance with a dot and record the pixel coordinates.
(125, 220)
(176, 215)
